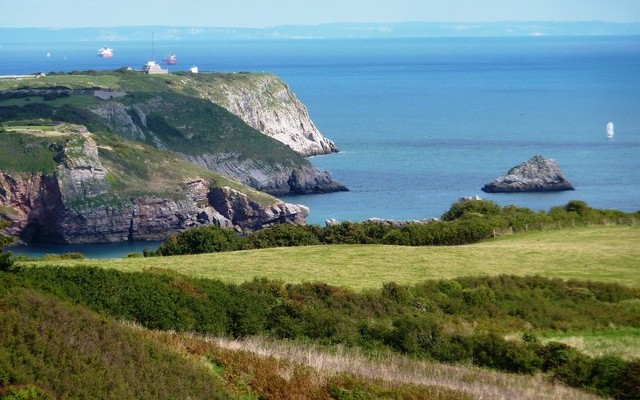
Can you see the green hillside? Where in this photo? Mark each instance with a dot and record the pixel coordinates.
(133, 168)
(68, 352)
(177, 114)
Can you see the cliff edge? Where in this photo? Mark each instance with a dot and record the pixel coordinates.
(267, 104)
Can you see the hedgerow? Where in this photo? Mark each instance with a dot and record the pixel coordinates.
(465, 222)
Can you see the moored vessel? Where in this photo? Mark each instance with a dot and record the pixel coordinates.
(105, 52)
(170, 59)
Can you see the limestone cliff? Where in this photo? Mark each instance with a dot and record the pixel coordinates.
(267, 104)
(203, 134)
(76, 203)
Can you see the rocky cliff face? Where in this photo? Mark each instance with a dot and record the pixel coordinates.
(267, 104)
(275, 176)
(538, 174)
(275, 179)
(74, 204)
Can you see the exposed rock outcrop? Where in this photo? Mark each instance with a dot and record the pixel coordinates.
(275, 179)
(267, 104)
(74, 204)
(538, 174)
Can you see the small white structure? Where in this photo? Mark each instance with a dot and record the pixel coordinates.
(193, 70)
(152, 67)
(610, 130)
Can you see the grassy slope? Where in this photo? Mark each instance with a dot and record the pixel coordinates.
(622, 341)
(603, 253)
(71, 352)
(286, 370)
(133, 168)
(202, 124)
(177, 115)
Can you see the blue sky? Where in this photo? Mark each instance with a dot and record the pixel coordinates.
(266, 13)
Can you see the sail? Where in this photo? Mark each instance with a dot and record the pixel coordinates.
(610, 129)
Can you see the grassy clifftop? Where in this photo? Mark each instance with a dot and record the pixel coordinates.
(186, 114)
(133, 168)
(178, 112)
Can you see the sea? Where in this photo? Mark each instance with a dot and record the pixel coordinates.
(423, 122)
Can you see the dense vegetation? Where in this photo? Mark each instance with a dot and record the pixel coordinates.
(462, 320)
(68, 352)
(465, 222)
(6, 258)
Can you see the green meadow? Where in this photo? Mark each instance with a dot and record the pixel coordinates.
(602, 253)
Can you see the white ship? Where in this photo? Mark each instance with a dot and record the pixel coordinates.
(105, 52)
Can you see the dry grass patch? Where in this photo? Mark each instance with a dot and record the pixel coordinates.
(320, 366)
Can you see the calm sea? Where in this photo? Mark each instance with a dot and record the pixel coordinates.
(422, 122)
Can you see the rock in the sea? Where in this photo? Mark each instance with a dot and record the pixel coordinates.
(538, 174)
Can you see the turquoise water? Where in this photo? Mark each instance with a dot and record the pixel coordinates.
(422, 122)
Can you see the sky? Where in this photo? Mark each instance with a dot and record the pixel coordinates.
(269, 13)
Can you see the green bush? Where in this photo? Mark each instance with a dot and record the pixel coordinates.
(628, 387)
(6, 259)
(206, 239)
(27, 392)
(607, 374)
(283, 235)
(471, 208)
(493, 351)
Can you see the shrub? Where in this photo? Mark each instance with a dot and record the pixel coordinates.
(628, 387)
(575, 371)
(579, 207)
(206, 239)
(471, 208)
(492, 350)
(606, 374)
(282, 235)
(6, 259)
(28, 392)
(414, 334)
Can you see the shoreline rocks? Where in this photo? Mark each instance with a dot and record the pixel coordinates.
(537, 174)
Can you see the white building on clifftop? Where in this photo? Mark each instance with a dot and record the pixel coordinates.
(152, 67)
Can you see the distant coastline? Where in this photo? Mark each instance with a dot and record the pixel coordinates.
(322, 31)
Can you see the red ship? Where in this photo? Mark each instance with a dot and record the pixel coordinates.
(170, 59)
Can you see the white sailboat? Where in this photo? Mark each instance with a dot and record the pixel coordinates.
(610, 130)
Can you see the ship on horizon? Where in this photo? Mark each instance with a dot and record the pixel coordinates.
(105, 52)
(170, 59)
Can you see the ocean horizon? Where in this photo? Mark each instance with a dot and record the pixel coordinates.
(423, 122)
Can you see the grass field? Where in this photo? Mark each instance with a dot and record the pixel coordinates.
(602, 253)
(624, 342)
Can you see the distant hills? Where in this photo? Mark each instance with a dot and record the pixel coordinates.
(324, 31)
